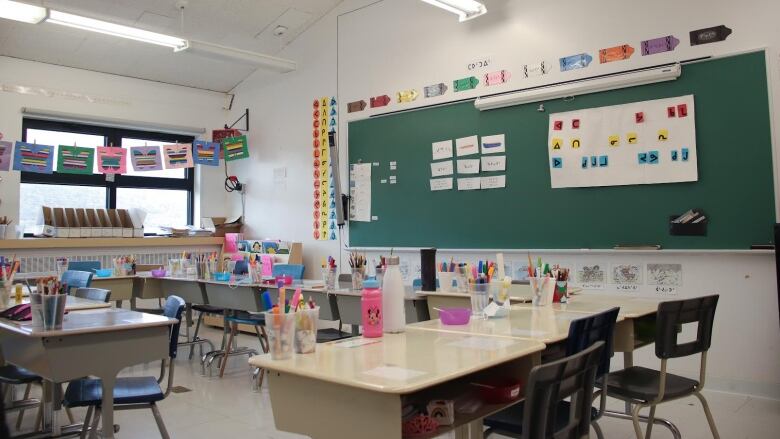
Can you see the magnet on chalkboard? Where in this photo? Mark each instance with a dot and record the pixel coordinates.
(558, 125)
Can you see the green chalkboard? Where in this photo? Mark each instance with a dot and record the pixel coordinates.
(735, 186)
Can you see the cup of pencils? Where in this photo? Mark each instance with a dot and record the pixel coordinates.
(306, 329)
(281, 332)
(542, 290)
(48, 304)
(358, 264)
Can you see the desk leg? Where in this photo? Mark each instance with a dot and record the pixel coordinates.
(107, 407)
(50, 419)
(472, 430)
(628, 361)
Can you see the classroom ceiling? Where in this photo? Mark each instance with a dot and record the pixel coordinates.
(243, 24)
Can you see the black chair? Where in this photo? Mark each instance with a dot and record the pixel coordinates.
(99, 294)
(645, 387)
(583, 333)
(130, 392)
(11, 375)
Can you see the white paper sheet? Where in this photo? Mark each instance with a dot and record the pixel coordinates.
(493, 182)
(468, 184)
(394, 373)
(360, 191)
(441, 184)
(442, 150)
(493, 144)
(469, 166)
(466, 146)
(355, 342)
(482, 343)
(494, 163)
(439, 169)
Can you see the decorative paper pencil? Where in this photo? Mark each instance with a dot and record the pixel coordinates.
(111, 159)
(30, 157)
(75, 160)
(178, 156)
(6, 155)
(206, 153)
(235, 148)
(146, 158)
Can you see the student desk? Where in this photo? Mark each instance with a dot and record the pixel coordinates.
(518, 293)
(121, 287)
(72, 303)
(362, 384)
(91, 343)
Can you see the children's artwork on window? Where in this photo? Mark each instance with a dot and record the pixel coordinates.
(6, 155)
(205, 153)
(112, 159)
(29, 157)
(75, 160)
(146, 158)
(178, 156)
(235, 148)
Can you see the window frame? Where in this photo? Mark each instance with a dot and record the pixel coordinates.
(112, 136)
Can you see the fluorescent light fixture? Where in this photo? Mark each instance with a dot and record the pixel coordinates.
(585, 86)
(464, 9)
(22, 12)
(116, 30)
(215, 51)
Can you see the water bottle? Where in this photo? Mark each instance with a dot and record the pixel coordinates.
(371, 308)
(393, 297)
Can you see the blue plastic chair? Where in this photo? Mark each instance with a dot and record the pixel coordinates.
(294, 270)
(131, 392)
(583, 333)
(76, 279)
(89, 266)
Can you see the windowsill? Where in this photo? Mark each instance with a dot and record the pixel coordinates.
(45, 243)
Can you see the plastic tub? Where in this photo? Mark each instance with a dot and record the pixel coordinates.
(455, 316)
(160, 272)
(499, 391)
(222, 276)
(104, 272)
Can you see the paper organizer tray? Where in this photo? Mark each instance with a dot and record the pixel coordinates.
(59, 222)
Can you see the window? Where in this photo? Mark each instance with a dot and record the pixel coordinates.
(166, 195)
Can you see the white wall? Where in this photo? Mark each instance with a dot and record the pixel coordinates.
(393, 45)
(125, 98)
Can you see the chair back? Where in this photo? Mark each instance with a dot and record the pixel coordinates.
(98, 294)
(174, 307)
(77, 279)
(588, 330)
(671, 315)
(294, 270)
(89, 266)
(549, 384)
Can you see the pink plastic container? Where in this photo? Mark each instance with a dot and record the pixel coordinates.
(455, 316)
(284, 279)
(371, 309)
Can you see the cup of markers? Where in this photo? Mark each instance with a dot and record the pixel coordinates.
(281, 331)
(306, 330)
(542, 290)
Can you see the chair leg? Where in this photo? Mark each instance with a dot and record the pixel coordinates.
(85, 426)
(93, 429)
(39, 418)
(20, 416)
(160, 423)
(635, 420)
(597, 429)
(262, 337)
(708, 413)
(650, 419)
(487, 432)
(195, 336)
(228, 346)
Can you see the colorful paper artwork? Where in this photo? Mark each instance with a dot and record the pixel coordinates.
(75, 160)
(29, 157)
(435, 90)
(380, 101)
(617, 53)
(404, 96)
(146, 158)
(496, 78)
(206, 153)
(709, 35)
(178, 156)
(112, 159)
(659, 45)
(572, 62)
(236, 147)
(6, 155)
(464, 84)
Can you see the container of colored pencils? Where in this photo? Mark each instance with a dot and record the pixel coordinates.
(48, 304)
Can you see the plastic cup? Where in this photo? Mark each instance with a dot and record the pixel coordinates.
(281, 332)
(49, 310)
(62, 266)
(357, 279)
(447, 282)
(306, 330)
(462, 283)
(542, 290)
(36, 307)
(479, 294)
(379, 274)
(329, 277)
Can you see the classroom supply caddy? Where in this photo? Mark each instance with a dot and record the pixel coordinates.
(291, 324)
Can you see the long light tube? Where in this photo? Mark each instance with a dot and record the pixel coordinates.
(464, 9)
(117, 30)
(215, 51)
(22, 12)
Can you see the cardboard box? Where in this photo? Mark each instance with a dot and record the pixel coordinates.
(61, 226)
(127, 223)
(116, 223)
(137, 217)
(107, 229)
(224, 225)
(95, 223)
(73, 223)
(45, 226)
(85, 228)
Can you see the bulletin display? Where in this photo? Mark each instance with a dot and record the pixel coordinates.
(629, 159)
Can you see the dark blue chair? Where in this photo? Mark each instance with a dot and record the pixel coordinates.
(89, 266)
(77, 279)
(131, 392)
(99, 294)
(583, 333)
(293, 270)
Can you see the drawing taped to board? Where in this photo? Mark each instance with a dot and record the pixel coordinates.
(666, 278)
(591, 276)
(626, 277)
(613, 145)
(519, 270)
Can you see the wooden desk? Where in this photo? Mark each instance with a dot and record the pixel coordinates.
(93, 343)
(362, 388)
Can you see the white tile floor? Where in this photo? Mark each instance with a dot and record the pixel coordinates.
(227, 407)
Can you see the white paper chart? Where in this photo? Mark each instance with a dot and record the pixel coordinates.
(360, 191)
(639, 143)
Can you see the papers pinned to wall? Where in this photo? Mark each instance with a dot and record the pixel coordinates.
(466, 146)
(75, 160)
(493, 144)
(439, 169)
(29, 157)
(494, 163)
(146, 158)
(111, 159)
(360, 191)
(493, 182)
(470, 166)
(442, 150)
(441, 184)
(205, 153)
(6, 155)
(178, 156)
(468, 184)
